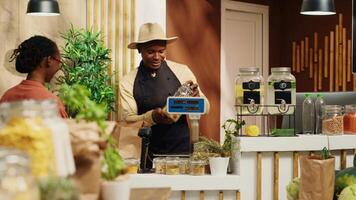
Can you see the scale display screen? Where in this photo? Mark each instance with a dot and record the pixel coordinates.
(186, 105)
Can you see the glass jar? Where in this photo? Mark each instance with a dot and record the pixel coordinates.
(172, 166)
(184, 166)
(281, 91)
(25, 129)
(197, 167)
(333, 120)
(132, 165)
(16, 181)
(350, 119)
(249, 91)
(159, 165)
(60, 137)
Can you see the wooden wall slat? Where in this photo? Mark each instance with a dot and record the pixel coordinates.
(343, 159)
(326, 56)
(182, 195)
(302, 55)
(276, 176)
(311, 63)
(349, 59)
(331, 79)
(259, 176)
(344, 61)
(306, 52)
(298, 58)
(337, 58)
(294, 55)
(320, 70)
(202, 195)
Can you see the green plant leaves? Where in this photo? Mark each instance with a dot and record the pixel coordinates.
(86, 62)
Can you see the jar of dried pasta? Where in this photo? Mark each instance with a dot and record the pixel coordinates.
(197, 167)
(333, 120)
(350, 119)
(172, 166)
(184, 167)
(159, 165)
(132, 165)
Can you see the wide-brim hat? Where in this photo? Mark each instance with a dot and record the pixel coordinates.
(149, 32)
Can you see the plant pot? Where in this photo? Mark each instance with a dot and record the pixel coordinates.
(118, 189)
(218, 165)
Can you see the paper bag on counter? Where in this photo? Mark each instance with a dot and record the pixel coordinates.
(85, 140)
(126, 135)
(317, 178)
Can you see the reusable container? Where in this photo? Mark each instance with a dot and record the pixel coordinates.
(350, 119)
(184, 167)
(333, 120)
(172, 166)
(197, 167)
(281, 91)
(249, 91)
(132, 165)
(159, 165)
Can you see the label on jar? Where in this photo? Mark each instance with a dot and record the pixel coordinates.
(251, 85)
(282, 85)
(251, 95)
(282, 95)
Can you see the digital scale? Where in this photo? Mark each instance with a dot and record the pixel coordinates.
(194, 107)
(186, 105)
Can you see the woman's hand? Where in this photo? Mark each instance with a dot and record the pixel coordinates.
(159, 117)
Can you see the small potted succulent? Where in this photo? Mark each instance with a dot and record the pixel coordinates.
(218, 154)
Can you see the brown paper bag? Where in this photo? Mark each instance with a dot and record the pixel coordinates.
(129, 143)
(317, 178)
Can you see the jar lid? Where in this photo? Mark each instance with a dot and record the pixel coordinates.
(132, 161)
(159, 159)
(350, 107)
(332, 108)
(280, 69)
(198, 162)
(249, 69)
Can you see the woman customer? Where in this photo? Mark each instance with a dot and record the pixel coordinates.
(39, 57)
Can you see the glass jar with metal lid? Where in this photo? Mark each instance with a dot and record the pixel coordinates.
(249, 91)
(350, 119)
(281, 91)
(333, 120)
(16, 181)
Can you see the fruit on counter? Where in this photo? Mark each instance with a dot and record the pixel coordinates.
(282, 132)
(293, 189)
(252, 130)
(348, 193)
(345, 178)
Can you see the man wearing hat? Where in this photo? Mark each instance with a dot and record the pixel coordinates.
(144, 91)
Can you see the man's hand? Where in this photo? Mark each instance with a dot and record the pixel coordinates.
(194, 88)
(159, 117)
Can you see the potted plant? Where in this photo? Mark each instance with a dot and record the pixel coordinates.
(114, 186)
(86, 62)
(218, 154)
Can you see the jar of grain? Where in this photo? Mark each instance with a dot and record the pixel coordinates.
(197, 167)
(350, 119)
(132, 165)
(333, 120)
(159, 165)
(184, 166)
(172, 166)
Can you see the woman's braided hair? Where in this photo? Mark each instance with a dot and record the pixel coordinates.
(30, 53)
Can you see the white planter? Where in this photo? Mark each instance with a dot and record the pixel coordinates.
(118, 189)
(218, 165)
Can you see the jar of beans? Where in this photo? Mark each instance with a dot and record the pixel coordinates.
(333, 120)
(350, 119)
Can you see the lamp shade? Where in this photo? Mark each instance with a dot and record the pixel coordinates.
(318, 7)
(43, 7)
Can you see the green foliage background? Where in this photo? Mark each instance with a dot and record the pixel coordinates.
(86, 61)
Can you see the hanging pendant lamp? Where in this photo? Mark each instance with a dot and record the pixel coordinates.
(43, 8)
(318, 7)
